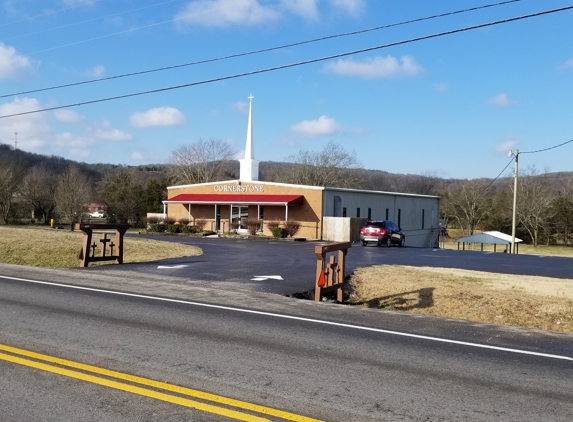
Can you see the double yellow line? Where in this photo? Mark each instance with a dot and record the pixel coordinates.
(38, 361)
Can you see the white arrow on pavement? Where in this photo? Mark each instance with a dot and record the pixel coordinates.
(163, 267)
(266, 277)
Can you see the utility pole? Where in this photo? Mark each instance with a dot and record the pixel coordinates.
(516, 155)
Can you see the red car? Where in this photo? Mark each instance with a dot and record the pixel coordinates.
(383, 232)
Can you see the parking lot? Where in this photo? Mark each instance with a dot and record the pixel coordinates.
(285, 267)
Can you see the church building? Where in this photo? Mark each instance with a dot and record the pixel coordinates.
(325, 213)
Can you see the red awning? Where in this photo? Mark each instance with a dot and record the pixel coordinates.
(239, 199)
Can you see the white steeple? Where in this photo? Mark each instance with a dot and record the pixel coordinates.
(249, 166)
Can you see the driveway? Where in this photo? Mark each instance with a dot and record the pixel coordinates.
(284, 267)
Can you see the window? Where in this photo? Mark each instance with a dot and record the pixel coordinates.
(357, 212)
(423, 212)
(369, 213)
(337, 206)
(399, 217)
(344, 212)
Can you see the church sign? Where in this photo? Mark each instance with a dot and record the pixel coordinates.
(238, 188)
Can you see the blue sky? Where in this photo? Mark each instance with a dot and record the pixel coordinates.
(452, 105)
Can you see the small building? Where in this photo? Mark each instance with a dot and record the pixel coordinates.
(226, 202)
(489, 238)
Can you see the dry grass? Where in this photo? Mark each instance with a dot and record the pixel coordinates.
(45, 247)
(526, 301)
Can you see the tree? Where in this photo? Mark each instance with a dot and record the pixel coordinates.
(200, 162)
(333, 166)
(124, 196)
(562, 212)
(468, 203)
(155, 193)
(73, 194)
(533, 199)
(38, 188)
(10, 176)
(500, 216)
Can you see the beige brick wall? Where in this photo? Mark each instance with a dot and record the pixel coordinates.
(309, 214)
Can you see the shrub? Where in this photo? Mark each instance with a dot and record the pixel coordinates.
(200, 223)
(186, 229)
(235, 226)
(253, 225)
(157, 228)
(169, 220)
(152, 220)
(272, 225)
(183, 221)
(173, 228)
(207, 232)
(292, 227)
(280, 232)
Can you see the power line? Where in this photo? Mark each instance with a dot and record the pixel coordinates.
(90, 20)
(546, 149)
(262, 50)
(500, 173)
(271, 69)
(51, 12)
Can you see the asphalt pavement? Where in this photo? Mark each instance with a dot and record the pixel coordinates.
(287, 267)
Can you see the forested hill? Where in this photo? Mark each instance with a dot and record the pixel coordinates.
(425, 184)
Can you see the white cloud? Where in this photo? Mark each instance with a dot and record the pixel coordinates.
(241, 107)
(324, 125)
(96, 72)
(308, 9)
(68, 116)
(114, 135)
(159, 116)
(33, 129)
(508, 144)
(502, 100)
(568, 64)
(376, 67)
(221, 13)
(12, 64)
(352, 7)
(35, 133)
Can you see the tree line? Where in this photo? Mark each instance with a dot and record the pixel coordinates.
(53, 187)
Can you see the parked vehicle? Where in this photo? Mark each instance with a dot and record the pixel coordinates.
(96, 214)
(383, 232)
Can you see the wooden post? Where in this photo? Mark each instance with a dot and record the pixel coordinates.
(330, 276)
(86, 257)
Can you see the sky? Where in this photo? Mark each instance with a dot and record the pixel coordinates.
(452, 105)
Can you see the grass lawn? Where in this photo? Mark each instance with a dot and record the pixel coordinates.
(535, 302)
(41, 246)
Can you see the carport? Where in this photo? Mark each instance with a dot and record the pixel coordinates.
(490, 238)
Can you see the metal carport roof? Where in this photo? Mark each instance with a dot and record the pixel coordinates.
(490, 237)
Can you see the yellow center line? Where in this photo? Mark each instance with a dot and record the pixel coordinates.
(151, 383)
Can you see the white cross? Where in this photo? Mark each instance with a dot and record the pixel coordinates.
(250, 97)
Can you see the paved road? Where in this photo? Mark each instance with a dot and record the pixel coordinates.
(236, 263)
(282, 356)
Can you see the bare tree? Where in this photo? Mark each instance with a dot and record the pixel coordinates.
(73, 193)
(467, 203)
(333, 166)
(533, 203)
(9, 184)
(38, 188)
(200, 162)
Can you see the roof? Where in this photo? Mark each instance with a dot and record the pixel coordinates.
(491, 237)
(236, 199)
(253, 182)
